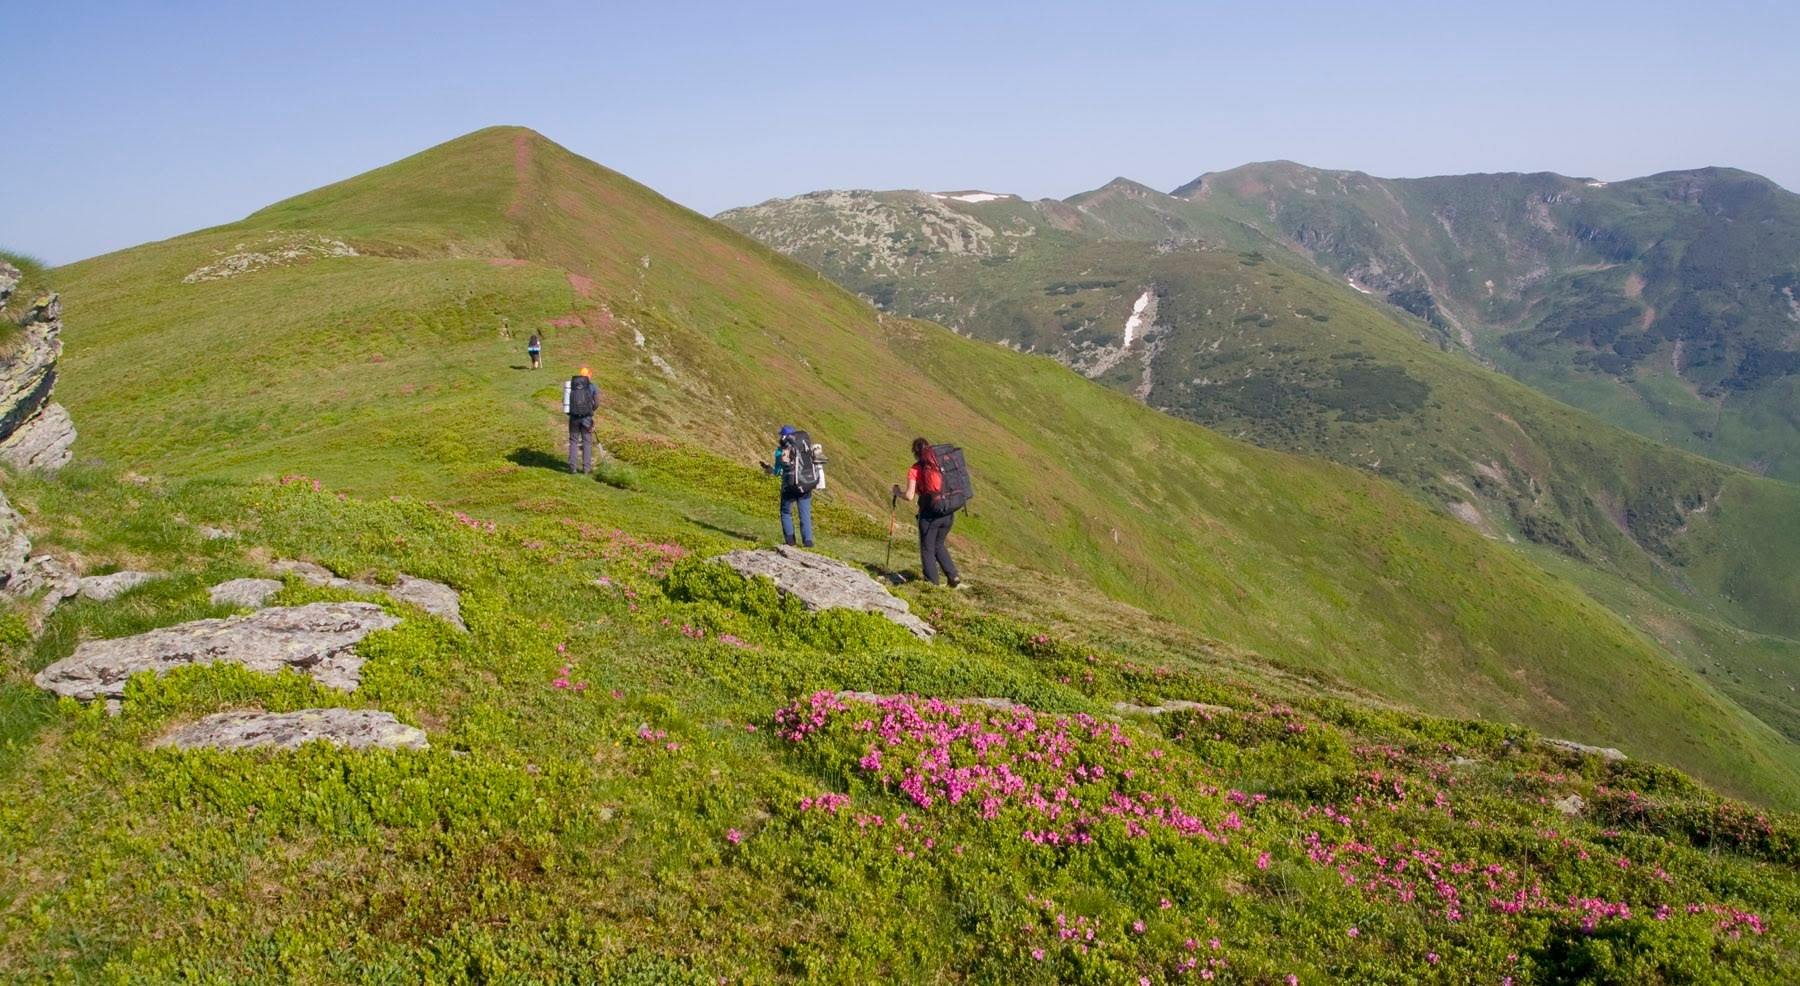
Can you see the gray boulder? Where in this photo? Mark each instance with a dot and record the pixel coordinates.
(1603, 752)
(105, 587)
(1172, 705)
(247, 593)
(1571, 805)
(317, 639)
(820, 582)
(315, 574)
(435, 598)
(357, 729)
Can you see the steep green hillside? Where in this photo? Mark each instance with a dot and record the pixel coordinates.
(1229, 329)
(1665, 304)
(396, 370)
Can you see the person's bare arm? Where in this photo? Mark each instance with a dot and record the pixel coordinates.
(912, 489)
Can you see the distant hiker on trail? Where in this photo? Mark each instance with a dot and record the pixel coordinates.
(535, 350)
(939, 480)
(801, 467)
(580, 400)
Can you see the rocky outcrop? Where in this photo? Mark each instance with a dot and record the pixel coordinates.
(247, 593)
(15, 550)
(22, 574)
(34, 433)
(45, 442)
(106, 587)
(824, 583)
(317, 639)
(357, 729)
(435, 598)
(1603, 752)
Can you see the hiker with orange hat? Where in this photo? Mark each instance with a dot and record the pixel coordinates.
(580, 400)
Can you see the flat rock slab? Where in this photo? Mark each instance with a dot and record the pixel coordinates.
(248, 593)
(820, 582)
(1173, 705)
(105, 587)
(1603, 752)
(435, 598)
(317, 639)
(358, 729)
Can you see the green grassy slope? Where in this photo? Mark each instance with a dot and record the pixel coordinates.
(695, 805)
(393, 371)
(1254, 343)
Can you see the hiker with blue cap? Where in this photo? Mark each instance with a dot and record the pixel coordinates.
(800, 467)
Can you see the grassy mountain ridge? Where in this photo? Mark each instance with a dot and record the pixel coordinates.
(404, 345)
(698, 803)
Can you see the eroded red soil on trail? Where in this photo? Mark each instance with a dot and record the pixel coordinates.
(584, 286)
(521, 171)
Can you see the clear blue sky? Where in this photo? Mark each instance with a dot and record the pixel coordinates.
(128, 122)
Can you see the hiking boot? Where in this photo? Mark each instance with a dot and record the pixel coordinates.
(958, 584)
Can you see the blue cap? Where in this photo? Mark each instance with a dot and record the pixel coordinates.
(787, 430)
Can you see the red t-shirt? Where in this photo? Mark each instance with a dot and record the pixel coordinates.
(923, 482)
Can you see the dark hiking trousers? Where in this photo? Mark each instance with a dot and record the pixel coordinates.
(581, 444)
(933, 552)
(795, 503)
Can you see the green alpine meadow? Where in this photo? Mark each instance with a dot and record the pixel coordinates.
(1297, 643)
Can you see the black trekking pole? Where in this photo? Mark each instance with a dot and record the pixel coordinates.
(893, 505)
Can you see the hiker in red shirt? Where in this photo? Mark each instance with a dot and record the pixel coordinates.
(925, 483)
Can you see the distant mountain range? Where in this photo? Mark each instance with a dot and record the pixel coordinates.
(1328, 313)
(1667, 304)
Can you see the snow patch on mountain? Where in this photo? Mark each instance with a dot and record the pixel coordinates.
(970, 196)
(1136, 321)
